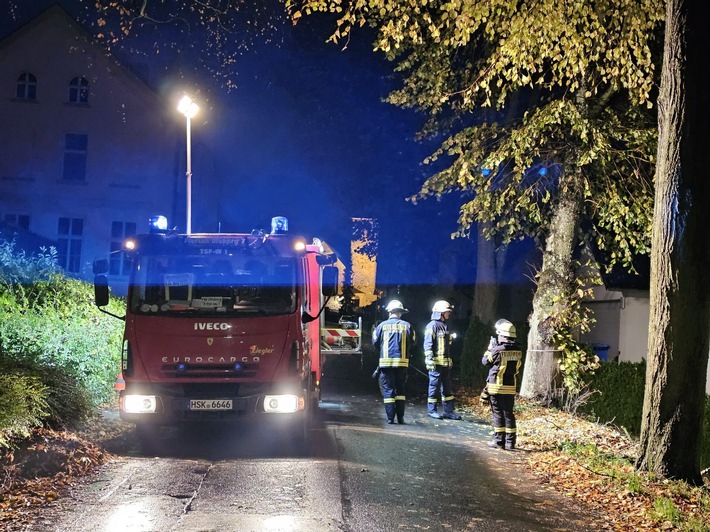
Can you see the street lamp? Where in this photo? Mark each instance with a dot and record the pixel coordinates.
(189, 109)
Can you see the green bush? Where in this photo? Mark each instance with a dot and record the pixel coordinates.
(620, 398)
(23, 406)
(87, 349)
(59, 399)
(52, 334)
(620, 401)
(705, 443)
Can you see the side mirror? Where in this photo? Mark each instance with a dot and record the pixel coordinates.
(101, 291)
(330, 281)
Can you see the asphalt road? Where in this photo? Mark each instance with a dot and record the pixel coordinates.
(356, 473)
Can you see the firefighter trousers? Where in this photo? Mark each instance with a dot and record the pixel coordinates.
(504, 430)
(392, 385)
(440, 386)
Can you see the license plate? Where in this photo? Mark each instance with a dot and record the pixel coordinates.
(210, 404)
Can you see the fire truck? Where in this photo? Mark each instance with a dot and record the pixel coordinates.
(226, 325)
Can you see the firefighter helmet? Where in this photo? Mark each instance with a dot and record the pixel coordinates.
(442, 306)
(395, 306)
(505, 328)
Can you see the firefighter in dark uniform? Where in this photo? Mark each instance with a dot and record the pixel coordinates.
(504, 358)
(437, 355)
(393, 338)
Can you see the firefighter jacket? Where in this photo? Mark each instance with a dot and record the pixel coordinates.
(437, 343)
(393, 338)
(505, 360)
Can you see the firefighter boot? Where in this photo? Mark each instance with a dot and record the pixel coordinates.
(449, 411)
(400, 412)
(431, 408)
(498, 441)
(510, 441)
(390, 411)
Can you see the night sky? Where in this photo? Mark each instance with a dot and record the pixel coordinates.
(303, 133)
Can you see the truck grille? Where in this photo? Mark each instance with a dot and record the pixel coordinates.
(209, 371)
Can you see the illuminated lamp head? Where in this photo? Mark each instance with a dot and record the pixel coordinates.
(158, 224)
(279, 225)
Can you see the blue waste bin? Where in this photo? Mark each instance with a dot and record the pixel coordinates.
(601, 350)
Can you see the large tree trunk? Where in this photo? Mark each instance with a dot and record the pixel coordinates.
(671, 430)
(556, 275)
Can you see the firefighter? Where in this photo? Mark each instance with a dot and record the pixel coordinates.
(504, 358)
(393, 338)
(437, 354)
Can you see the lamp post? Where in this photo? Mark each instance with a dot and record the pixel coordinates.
(189, 109)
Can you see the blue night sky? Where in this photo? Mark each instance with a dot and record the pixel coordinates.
(305, 135)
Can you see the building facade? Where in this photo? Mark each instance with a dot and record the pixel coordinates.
(88, 152)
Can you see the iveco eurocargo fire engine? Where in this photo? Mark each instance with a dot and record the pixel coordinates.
(223, 325)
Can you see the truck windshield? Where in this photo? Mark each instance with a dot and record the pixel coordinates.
(236, 284)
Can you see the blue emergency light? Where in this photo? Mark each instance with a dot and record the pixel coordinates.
(158, 224)
(279, 225)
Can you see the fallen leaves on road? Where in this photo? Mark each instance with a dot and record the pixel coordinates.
(594, 463)
(39, 470)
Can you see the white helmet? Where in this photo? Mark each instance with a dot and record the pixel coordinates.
(394, 306)
(442, 306)
(505, 328)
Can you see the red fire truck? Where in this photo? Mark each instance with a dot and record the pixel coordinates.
(220, 326)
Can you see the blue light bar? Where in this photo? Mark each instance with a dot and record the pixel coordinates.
(158, 224)
(279, 225)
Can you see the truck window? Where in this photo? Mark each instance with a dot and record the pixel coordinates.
(214, 283)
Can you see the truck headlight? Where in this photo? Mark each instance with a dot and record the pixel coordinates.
(140, 404)
(283, 404)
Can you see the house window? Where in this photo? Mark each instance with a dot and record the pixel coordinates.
(19, 221)
(26, 87)
(118, 262)
(69, 236)
(75, 157)
(78, 90)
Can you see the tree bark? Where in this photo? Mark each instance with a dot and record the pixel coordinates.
(679, 329)
(540, 370)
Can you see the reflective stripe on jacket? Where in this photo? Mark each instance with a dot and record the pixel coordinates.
(505, 361)
(393, 339)
(437, 343)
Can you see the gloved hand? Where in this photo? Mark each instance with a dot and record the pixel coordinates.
(484, 396)
(376, 373)
(430, 366)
